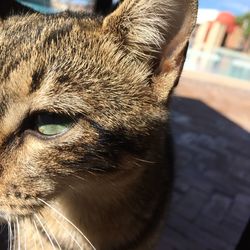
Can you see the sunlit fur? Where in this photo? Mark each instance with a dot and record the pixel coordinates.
(105, 183)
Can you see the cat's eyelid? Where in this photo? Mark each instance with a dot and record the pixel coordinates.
(58, 112)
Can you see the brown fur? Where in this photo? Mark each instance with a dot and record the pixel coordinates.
(109, 174)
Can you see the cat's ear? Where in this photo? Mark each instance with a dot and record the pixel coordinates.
(157, 31)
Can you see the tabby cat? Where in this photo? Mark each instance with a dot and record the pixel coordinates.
(83, 124)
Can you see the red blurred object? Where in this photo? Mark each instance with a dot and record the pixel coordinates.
(227, 19)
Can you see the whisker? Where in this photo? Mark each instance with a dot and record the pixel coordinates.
(24, 235)
(51, 233)
(14, 235)
(9, 235)
(144, 161)
(18, 234)
(70, 234)
(3, 226)
(72, 188)
(71, 223)
(44, 229)
(40, 238)
(79, 177)
(34, 241)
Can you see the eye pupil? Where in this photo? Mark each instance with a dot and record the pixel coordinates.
(52, 124)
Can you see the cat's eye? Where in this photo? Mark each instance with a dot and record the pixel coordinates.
(49, 124)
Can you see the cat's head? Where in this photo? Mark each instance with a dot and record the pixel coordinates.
(79, 95)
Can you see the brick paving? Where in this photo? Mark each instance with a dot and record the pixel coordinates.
(211, 200)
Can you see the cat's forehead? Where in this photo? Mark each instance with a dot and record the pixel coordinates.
(65, 61)
(35, 34)
(37, 45)
(60, 47)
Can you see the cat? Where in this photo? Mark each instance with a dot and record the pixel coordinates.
(85, 152)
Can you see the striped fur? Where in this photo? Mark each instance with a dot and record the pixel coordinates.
(111, 173)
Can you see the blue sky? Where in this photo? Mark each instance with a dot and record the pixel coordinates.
(235, 6)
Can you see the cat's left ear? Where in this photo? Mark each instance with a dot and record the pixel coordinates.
(155, 31)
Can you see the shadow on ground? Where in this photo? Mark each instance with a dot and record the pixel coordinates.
(211, 201)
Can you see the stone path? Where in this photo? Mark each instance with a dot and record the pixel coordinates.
(211, 201)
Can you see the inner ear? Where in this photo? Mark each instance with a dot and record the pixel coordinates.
(168, 71)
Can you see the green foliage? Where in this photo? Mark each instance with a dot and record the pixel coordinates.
(244, 22)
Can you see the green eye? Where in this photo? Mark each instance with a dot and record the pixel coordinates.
(52, 124)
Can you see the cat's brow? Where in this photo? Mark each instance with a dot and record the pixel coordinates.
(59, 32)
(4, 99)
(37, 77)
(3, 108)
(12, 61)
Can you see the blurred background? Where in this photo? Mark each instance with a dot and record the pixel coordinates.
(211, 126)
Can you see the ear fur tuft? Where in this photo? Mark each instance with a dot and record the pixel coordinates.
(146, 26)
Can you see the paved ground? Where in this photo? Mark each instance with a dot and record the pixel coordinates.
(211, 202)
